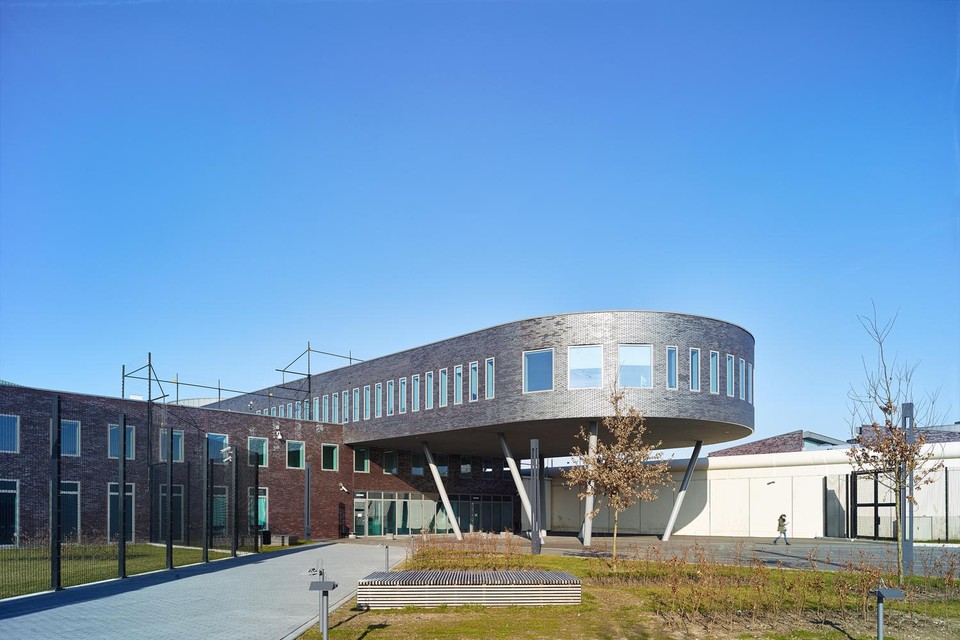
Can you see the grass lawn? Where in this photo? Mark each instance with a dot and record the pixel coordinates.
(688, 597)
(27, 570)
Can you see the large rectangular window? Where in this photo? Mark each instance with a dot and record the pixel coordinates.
(336, 408)
(671, 368)
(356, 404)
(714, 372)
(416, 464)
(442, 461)
(390, 462)
(730, 365)
(113, 446)
(366, 402)
(9, 434)
(326, 408)
(69, 437)
(415, 392)
(694, 369)
(489, 381)
(443, 387)
(458, 384)
(296, 458)
(177, 445)
(257, 451)
(361, 460)
(537, 370)
(750, 382)
(216, 443)
(636, 366)
(378, 402)
(428, 390)
(403, 395)
(585, 367)
(329, 457)
(345, 401)
(743, 375)
(390, 395)
(474, 382)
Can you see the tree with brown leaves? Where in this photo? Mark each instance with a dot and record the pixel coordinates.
(883, 446)
(622, 469)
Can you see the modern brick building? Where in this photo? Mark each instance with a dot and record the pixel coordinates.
(422, 439)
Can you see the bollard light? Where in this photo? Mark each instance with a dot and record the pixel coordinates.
(324, 587)
(884, 593)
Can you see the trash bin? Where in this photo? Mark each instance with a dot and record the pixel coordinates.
(265, 536)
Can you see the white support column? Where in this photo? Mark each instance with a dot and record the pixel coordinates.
(586, 532)
(515, 472)
(683, 490)
(451, 516)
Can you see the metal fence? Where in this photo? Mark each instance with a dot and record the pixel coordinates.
(207, 506)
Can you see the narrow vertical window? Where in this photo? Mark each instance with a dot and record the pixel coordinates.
(366, 402)
(714, 372)
(694, 369)
(403, 395)
(289, 409)
(336, 409)
(743, 375)
(361, 460)
(299, 413)
(489, 383)
(390, 460)
(415, 392)
(671, 367)
(458, 384)
(443, 387)
(390, 395)
(345, 401)
(378, 412)
(730, 365)
(273, 412)
(537, 370)
(474, 382)
(750, 382)
(326, 408)
(428, 390)
(316, 409)
(283, 412)
(356, 404)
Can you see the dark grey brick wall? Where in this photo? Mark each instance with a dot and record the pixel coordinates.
(506, 344)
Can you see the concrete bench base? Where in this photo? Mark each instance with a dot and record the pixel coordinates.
(393, 590)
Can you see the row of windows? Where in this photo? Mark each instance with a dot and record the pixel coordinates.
(70, 509)
(487, 468)
(634, 369)
(370, 402)
(69, 438)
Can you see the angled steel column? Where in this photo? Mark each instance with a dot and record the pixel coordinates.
(683, 490)
(515, 473)
(586, 532)
(451, 516)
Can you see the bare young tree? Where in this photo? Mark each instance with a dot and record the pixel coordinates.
(881, 444)
(622, 469)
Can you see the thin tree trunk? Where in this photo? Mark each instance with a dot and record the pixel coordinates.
(616, 522)
(899, 533)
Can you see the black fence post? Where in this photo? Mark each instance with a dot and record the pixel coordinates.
(306, 504)
(256, 506)
(235, 538)
(122, 499)
(207, 507)
(169, 501)
(55, 529)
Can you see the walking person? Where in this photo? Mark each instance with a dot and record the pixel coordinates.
(781, 529)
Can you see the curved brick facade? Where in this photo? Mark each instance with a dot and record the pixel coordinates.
(677, 417)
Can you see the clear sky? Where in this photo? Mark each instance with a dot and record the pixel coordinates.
(220, 182)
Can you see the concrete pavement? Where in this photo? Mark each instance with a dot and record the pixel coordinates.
(257, 596)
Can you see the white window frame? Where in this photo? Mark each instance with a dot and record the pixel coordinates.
(316, 409)
(415, 392)
(750, 382)
(444, 384)
(226, 443)
(458, 388)
(366, 402)
(742, 375)
(345, 407)
(282, 411)
(178, 451)
(356, 404)
(569, 370)
(289, 409)
(428, 390)
(335, 408)
(303, 454)
(402, 395)
(79, 439)
(523, 370)
(299, 409)
(366, 463)
(336, 456)
(325, 416)
(132, 439)
(391, 389)
(694, 379)
(378, 402)
(676, 367)
(473, 383)
(16, 433)
(731, 375)
(714, 372)
(266, 451)
(490, 390)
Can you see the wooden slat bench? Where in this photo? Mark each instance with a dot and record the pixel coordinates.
(392, 590)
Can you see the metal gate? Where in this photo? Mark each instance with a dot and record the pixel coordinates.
(874, 509)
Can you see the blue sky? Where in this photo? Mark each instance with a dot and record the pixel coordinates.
(219, 182)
